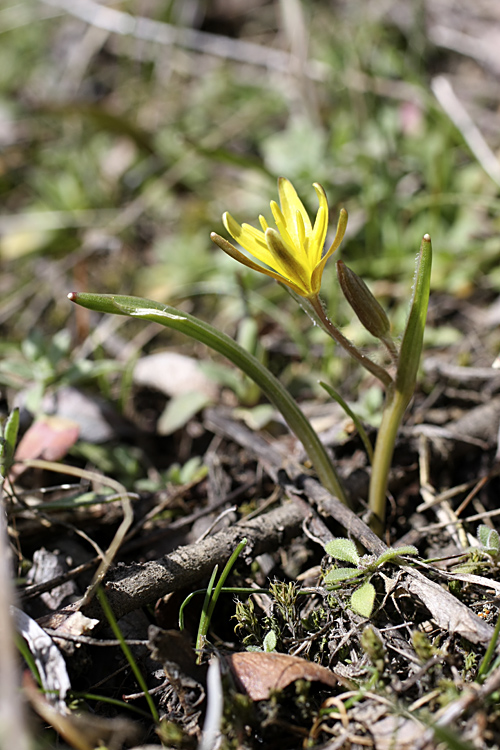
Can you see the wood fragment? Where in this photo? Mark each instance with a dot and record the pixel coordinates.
(129, 587)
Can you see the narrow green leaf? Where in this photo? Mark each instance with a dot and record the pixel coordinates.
(450, 739)
(357, 422)
(127, 652)
(411, 345)
(490, 652)
(363, 599)
(189, 325)
(343, 549)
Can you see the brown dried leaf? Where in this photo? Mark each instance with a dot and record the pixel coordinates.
(261, 673)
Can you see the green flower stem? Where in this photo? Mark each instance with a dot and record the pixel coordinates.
(394, 410)
(400, 393)
(206, 334)
(339, 337)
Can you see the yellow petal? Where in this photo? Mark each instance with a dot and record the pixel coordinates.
(282, 228)
(248, 262)
(292, 269)
(238, 255)
(303, 240)
(339, 236)
(290, 204)
(250, 238)
(318, 236)
(242, 231)
(255, 242)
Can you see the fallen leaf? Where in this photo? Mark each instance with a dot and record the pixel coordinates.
(260, 673)
(49, 438)
(98, 421)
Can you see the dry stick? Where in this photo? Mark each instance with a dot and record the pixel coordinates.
(129, 587)
(473, 694)
(327, 506)
(272, 460)
(160, 33)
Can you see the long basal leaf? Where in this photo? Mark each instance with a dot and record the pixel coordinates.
(172, 318)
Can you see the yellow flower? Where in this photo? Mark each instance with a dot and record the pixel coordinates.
(293, 252)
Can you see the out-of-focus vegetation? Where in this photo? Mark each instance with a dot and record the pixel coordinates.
(128, 129)
(120, 153)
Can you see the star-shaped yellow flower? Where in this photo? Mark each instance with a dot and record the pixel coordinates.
(293, 252)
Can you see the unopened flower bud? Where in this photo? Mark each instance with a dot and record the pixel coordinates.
(367, 308)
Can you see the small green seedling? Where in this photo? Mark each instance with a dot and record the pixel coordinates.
(481, 557)
(270, 642)
(489, 540)
(212, 594)
(362, 598)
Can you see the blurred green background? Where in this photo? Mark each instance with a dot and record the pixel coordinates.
(127, 128)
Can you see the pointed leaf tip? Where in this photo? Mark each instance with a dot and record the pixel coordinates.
(411, 345)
